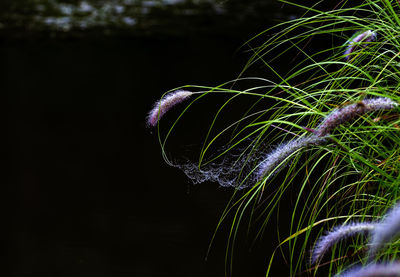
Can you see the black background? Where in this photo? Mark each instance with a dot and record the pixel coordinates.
(88, 193)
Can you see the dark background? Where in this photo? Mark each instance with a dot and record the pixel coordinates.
(88, 193)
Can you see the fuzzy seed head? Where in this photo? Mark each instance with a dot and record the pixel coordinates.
(165, 104)
(365, 37)
(386, 230)
(373, 270)
(283, 151)
(347, 113)
(380, 103)
(336, 235)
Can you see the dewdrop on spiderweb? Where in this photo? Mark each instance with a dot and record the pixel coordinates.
(165, 104)
(338, 234)
(361, 39)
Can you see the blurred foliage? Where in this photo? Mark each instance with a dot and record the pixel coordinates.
(145, 16)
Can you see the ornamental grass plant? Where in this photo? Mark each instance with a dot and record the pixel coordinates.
(324, 134)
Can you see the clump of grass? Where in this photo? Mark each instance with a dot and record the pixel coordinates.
(349, 164)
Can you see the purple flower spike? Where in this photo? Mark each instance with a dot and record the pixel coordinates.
(387, 230)
(165, 104)
(373, 270)
(365, 37)
(283, 151)
(339, 233)
(347, 113)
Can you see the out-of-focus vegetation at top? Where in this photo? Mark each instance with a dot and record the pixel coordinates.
(144, 16)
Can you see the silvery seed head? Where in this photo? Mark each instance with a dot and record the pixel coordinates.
(275, 158)
(359, 40)
(165, 104)
(338, 234)
(373, 270)
(347, 113)
(386, 230)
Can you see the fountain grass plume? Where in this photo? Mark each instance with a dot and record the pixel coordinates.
(386, 230)
(339, 233)
(373, 270)
(365, 37)
(349, 112)
(283, 151)
(165, 104)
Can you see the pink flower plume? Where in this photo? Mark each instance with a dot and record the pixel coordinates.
(165, 104)
(273, 160)
(387, 230)
(347, 113)
(337, 234)
(365, 37)
(373, 270)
